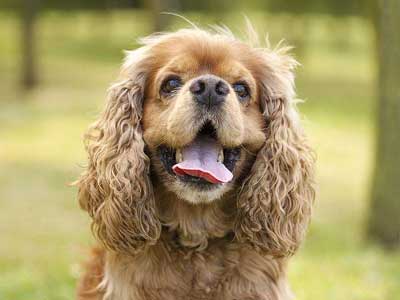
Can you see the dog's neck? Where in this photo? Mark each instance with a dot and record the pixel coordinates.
(194, 225)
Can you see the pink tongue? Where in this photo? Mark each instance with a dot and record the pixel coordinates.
(200, 160)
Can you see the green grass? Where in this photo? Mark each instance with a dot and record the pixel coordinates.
(44, 235)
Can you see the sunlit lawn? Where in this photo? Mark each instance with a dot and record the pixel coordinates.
(43, 234)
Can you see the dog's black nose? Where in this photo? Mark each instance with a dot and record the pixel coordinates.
(209, 90)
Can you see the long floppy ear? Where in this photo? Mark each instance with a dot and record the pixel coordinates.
(274, 205)
(116, 189)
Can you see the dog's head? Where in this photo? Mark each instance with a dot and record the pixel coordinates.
(203, 114)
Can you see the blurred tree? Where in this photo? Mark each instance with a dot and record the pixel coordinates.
(384, 221)
(28, 18)
(157, 7)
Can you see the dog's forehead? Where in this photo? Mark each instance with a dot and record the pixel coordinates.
(193, 56)
(192, 64)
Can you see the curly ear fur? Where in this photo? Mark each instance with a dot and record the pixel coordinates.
(116, 189)
(274, 205)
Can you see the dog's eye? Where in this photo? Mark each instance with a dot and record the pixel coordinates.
(242, 90)
(170, 85)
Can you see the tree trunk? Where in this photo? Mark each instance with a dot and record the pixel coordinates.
(161, 21)
(28, 16)
(384, 221)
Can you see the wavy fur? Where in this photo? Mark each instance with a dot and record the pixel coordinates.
(274, 205)
(116, 188)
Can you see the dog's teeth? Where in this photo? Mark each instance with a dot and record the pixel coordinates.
(179, 157)
(221, 156)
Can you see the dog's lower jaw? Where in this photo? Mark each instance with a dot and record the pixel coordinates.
(185, 192)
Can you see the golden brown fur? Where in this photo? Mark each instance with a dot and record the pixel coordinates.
(163, 240)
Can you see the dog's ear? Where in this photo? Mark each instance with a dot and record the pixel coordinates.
(274, 205)
(116, 189)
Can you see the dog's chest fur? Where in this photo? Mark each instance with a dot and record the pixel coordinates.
(221, 272)
(194, 259)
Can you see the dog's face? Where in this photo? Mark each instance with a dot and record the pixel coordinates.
(202, 118)
(200, 114)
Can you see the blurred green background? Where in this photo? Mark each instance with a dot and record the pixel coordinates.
(44, 236)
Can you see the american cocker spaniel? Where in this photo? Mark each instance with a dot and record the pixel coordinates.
(200, 179)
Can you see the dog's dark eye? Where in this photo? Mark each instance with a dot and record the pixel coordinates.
(170, 85)
(242, 90)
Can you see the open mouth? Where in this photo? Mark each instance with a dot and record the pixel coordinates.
(204, 162)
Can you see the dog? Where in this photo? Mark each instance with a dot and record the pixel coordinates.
(200, 178)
